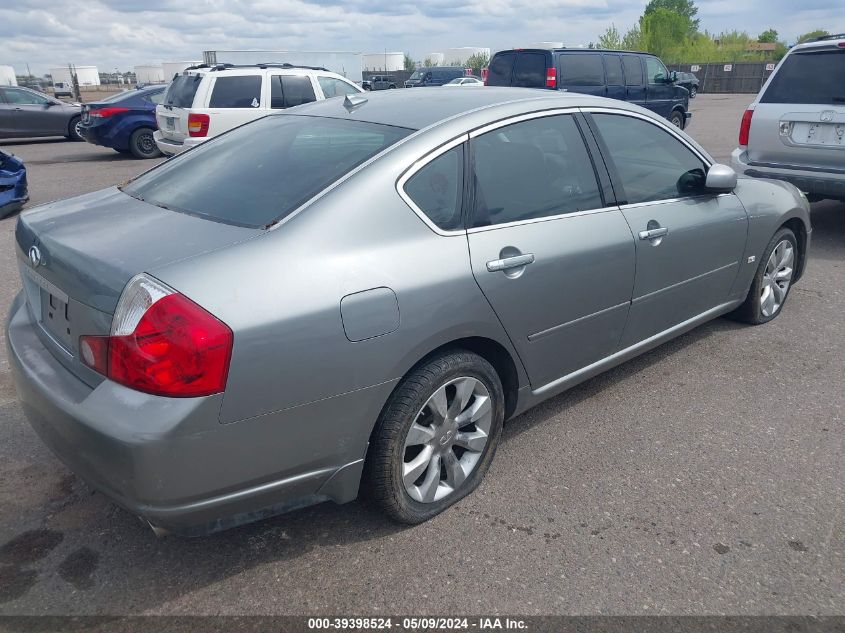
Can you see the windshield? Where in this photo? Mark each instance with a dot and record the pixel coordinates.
(181, 91)
(417, 75)
(809, 78)
(257, 174)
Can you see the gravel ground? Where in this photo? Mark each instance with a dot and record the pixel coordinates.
(705, 477)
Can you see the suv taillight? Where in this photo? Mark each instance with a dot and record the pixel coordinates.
(161, 343)
(551, 78)
(485, 72)
(745, 127)
(198, 124)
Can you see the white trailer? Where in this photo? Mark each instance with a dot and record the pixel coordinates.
(459, 56)
(385, 62)
(7, 76)
(149, 74)
(86, 75)
(174, 68)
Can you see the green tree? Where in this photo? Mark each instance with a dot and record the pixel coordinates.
(427, 63)
(478, 61)
(664, 32)
(410, 66)
(633, 40)
(811, 36)
(684, 8)
(769, 36)
(611, 38)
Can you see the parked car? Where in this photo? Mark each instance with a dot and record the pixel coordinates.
(638, 78)
(379, 82)
(125, 122)
(27, 113)
(464, 82)
(364, 295)
(62, 89)
(795, 128)
(205, 101)
(434, 76)
(688, 81)
(13, 188)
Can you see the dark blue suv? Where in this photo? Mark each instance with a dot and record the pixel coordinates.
(640, 78)
(125, 122)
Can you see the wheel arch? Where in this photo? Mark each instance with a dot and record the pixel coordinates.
(797, 226)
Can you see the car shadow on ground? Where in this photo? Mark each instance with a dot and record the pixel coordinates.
(45, 140)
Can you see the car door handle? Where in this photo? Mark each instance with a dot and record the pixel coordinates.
(507, 263)
(654, 233)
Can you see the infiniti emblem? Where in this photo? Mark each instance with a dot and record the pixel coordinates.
(35, 256)
(828, 115)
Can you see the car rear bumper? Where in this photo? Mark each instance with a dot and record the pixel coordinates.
(13, 191)
(171, 147)
(812, 181)
(170, 460)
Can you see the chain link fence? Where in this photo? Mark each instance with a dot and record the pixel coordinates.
(728, 77)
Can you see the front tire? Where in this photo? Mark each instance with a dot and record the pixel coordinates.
(142, 144)
(772, 281)
(436, 437)
(677, 119)
(73, 129)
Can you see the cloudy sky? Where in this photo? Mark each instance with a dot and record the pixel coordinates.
(122, 33)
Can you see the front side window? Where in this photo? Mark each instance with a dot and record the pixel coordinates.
(335, 87)
(809, 78)
(581, 69)
(287, 91)
(24, 97)
(289, 160)
(655, 71)
(533, 169)
(651, 163)
(437, 189)
(236, 92)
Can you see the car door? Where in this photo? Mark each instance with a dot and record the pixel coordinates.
(634, 79)
(660, 92)
(7, 128)
(689, 241)
(553, 256)
(287, 91)
(35, 115)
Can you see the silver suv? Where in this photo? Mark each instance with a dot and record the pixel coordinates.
(795, 129)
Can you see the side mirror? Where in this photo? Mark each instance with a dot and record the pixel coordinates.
(720, 178)
(673, 77)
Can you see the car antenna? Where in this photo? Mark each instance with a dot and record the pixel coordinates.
(351, 102)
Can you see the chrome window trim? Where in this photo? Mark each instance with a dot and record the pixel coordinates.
(489, 127)
(651, 203)
(546, 218)
(412, 171)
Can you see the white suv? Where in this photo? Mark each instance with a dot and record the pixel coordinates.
(205, 101)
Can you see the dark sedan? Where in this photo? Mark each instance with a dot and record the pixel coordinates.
(124, 122)
(25, 113)
(688, 81)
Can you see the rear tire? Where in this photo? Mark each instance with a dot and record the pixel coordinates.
(677, 119)
(436, 437)
(142, 144)
(776, 268)
(73, 133)
(693, 92)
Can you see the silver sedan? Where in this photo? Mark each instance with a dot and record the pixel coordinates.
(354, 295)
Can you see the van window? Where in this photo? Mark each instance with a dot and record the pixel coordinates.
(182, 90)
(236, 92)
(436, 189)
(655, 71)
(500, 71)
(613, 69)
(811, 78)
(633, 70)
(581, 69)
(529, 71)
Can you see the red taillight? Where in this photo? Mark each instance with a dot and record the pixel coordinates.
(104, 113)
(745, 127)
(198, 124)
(551, 78)
(485, 72)
(175, 349)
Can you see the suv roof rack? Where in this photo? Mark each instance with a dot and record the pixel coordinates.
(838, 36)
(217, 67)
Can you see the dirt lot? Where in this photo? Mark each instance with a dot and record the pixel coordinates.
(705, 477)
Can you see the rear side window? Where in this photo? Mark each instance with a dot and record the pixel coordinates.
(236, 92)
(809, 78)
(533, 169)
(182, 90)
(582, 69)
(155, 97)
(500, 71)
(437, 189)
(633, 70)
(613, 69)
(290, 160)
(529, 71)
(287, 91)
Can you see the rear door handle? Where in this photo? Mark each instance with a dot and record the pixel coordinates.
(507, 263)
(654, 233)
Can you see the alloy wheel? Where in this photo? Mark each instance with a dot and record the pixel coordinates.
(446, 439)
(776, 278)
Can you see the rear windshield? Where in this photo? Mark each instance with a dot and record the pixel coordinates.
(181, 91)
(810, 78)
(500, 71)
(258, 173)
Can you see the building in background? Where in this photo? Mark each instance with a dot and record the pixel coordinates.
(385, 62)
(86, 75)
(7, 76)
(174, 68)
(149, 74)
(433, 59)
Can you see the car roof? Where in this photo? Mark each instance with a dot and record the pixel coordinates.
(573, 50)
(418, 108)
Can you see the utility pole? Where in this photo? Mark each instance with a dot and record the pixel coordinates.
(74, 82)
